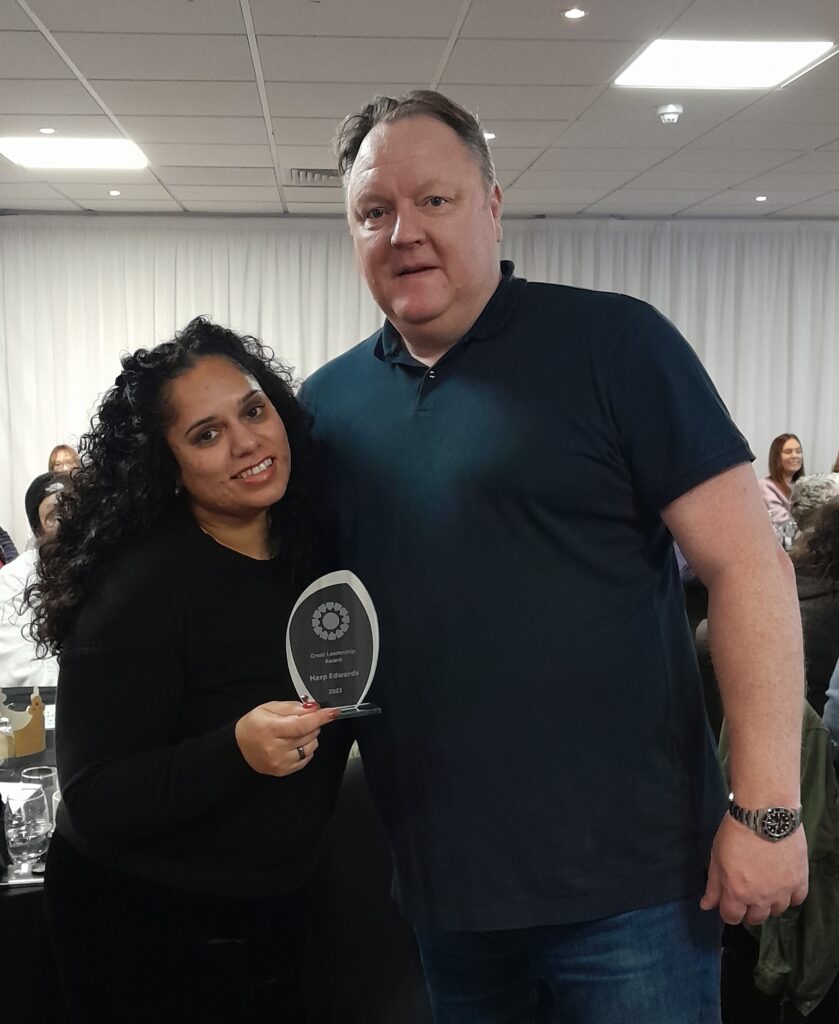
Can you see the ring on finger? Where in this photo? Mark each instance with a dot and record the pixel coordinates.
(301, 753)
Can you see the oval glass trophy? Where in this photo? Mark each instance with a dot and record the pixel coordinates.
(332, 643)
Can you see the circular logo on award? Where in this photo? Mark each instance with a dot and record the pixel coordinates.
(330, 620)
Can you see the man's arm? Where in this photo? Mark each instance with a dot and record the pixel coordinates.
(754, 630)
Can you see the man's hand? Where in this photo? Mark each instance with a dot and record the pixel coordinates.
(750, 879)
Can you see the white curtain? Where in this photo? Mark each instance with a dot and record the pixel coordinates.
(759, 302)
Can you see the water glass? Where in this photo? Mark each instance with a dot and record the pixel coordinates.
(47, 778)
(26, 824)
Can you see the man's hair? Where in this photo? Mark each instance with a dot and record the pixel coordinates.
(353, 130)
(808, 493)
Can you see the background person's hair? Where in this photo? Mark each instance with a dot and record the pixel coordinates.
(776, 467)
(352, 131)
(59, 448)
(836, 464)
(820, 553)
(126, 487)
(808, 494)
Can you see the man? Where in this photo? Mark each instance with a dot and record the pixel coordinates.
(511, 462)
(18, 664)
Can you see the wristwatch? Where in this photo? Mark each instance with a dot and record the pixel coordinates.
(770, 823)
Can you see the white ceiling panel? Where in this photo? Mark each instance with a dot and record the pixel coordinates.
(784, 180)
(618, 134)
(359, 18)
(202, 206)
(659, 178)
(214, 99)
(29, 55)
(538, 197)
(824, 206)
(39, 205)
(227, 130)
(563, 180)
(616, 104)
(807, 106)
(303, 59)
(244, 176)
(226, 193)
(132, 206)
(744, 199)
(306, 156)
(523, 133)
(79, 191)
(514, 159)
(95, 176)
(825, 76)
(551, 102)
(326, 100)
(11, 172)
(19, 96)
(749, 161)
(208, 156)
(159, 57)
(12, 17)
(543, 19)
(140, 15)
(757, 19)
(304, 131)
(324, 209)
(73, 126)
(535, 62)
(823, 162)
(532, 211)
(570, 158)
(660, 199)
(26, 190)
(298, 194)
(740, 134)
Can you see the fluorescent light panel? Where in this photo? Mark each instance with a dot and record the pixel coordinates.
(107, 154)
(719, 64)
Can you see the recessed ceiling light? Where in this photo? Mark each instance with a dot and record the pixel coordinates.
(115, 192)
(761, 199)
(574, 13)
(74, 153)
(719, 64)
(47, 131)
(489, 136)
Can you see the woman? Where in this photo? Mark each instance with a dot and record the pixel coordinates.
(786, 465)
(63, 459)
(195, 785)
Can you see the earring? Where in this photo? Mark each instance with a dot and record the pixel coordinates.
(178, 489)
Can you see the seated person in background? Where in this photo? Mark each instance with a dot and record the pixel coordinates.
(836, 464)
(816, 561)
(195, 784)
(18, 664)
(63, 459)
(808, 494)
(786, 465)
(8, 551)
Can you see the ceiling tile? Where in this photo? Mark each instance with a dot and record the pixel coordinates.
(535, 62)
(226, 130)
(78, 191)
(226, 193)
(306, 156)
(740, 134)
(744, 200)
(359, 18)
(571, 158)
(304, 131)
(159, 57)
(316, 194)
(29, 55)
(148, 16)
(551, 102)
(539, 211)
(825, 161)
(132, 206)
(795, 106)
(96, 176)
(12, 17)
(514, 159)
(824, 206)
(72, 126)
(216, 175)
(602, 179)
(523, 133)
(785, 181)
(692, 158)
(302, 59)
(617, 134)
(216, 99)
(26, 190)
(539, 197)
(319, 209)
(208, 156)
(38, 205)
(11, 172)
(616, 104)
(658, 200)
(326, 100)
(669, 179)
(203, 206)
(543, 19)
(757, 19)
(18, 96)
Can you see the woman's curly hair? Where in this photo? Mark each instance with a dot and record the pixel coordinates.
(126, 487)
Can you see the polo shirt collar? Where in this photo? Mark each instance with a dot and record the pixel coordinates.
(493, 318)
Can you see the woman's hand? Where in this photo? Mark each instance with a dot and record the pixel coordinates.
(273, 735)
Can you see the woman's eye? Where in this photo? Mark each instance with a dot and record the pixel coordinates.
(254, 412)
(206, 435)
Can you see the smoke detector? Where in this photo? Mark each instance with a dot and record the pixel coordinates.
(670, 113)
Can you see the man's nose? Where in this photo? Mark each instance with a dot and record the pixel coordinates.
(407, 227)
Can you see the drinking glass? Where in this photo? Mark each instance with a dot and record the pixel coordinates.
(47, 778)
(27, 825)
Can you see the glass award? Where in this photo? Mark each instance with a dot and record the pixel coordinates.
(332, 644)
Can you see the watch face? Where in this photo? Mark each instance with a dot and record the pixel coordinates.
(778, 822)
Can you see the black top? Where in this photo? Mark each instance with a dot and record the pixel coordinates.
(543, 754)
(180, 639)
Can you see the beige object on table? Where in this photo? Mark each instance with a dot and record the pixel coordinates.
(30, 734)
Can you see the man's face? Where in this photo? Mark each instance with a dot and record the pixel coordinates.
(48, 516)
(425, 228)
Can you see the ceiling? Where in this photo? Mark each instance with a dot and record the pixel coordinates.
(226, 96)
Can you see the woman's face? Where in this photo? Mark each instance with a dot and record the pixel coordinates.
(791, 456)
(228, 440)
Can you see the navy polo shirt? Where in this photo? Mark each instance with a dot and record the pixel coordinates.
(543, 755)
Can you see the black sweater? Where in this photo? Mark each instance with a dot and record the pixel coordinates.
(181, 638)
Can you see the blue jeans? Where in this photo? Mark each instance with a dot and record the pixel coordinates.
(660, 965)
